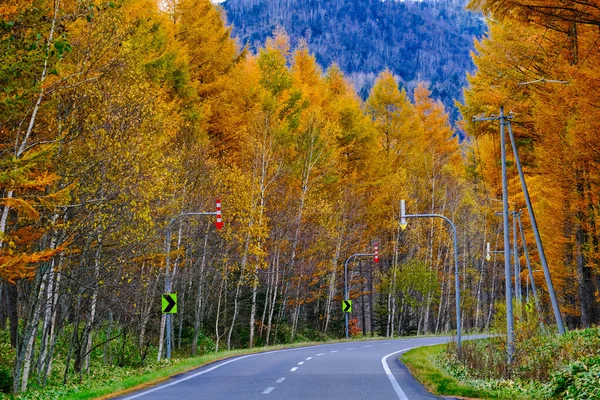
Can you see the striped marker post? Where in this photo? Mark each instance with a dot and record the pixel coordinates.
(219, 223)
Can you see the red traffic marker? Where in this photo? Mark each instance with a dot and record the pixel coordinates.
(219, 223)
(376, 257)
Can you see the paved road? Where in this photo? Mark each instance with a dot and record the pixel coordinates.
(353, 370)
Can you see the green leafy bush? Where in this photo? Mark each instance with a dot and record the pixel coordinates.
(312, 335)
(205, 344)
(7, 355)
(578, 380)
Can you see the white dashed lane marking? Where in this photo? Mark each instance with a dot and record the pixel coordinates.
(293, 369)
(308, 358)
(350, 348)
(334, 351)
(280, 379)
(320, 354)
(301, 362)
(369, 345)
(268, 390)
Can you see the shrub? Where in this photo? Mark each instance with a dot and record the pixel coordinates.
(205, 344)
(545, 365)
(7, 355)
(313, 335)
(578, 380)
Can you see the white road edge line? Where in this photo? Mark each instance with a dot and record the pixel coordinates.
(388, 372)
(293, 369)
(135, 396)
(268, 390)
(280, 379)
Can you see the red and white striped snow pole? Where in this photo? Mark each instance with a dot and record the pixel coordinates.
(219, 223)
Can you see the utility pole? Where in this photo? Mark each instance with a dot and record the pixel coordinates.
(510, 329)
(538, 240)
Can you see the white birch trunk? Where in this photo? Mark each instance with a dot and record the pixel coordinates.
(218, 337)
(91, 320)
(274, 300)
(235, 311)
(334, 262)
(199, 294)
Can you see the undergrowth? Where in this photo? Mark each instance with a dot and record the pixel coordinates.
(545, 366)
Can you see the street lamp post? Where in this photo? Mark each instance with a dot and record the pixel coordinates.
(168, 283)
(346, 280)
(403, 225)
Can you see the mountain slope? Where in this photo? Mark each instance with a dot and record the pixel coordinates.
(428, 41)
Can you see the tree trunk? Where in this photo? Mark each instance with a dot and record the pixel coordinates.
(235, 310)
(217, 336)
(253, 309)
(274, 300)
(584, 272)
(332, 276)
(270, 282)
(48, 331)
(90, 322)
(26, 347)
(53, 335)
(438, 321)
(13, 315)
(146, 312)
(199, 294)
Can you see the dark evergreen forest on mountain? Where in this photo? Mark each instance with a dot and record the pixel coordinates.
(418, 41)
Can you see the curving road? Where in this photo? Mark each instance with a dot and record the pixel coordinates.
(350, 370)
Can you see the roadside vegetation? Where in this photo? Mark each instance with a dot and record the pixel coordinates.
(546, 366)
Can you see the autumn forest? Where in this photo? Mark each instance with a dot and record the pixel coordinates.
(119, 118)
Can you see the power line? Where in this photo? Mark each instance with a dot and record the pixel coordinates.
(581, 64)
(524, 73)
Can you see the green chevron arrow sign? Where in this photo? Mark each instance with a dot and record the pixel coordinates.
(347, 306)
(169, 303)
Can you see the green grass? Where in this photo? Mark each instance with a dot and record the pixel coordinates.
(422, 362)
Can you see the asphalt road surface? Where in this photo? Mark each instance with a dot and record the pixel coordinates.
(340, 371)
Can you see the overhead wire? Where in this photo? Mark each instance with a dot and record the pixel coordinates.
(568, 39)
(524, 73)
(581, 64)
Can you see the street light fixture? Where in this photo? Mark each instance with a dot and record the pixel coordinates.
(404, 224)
